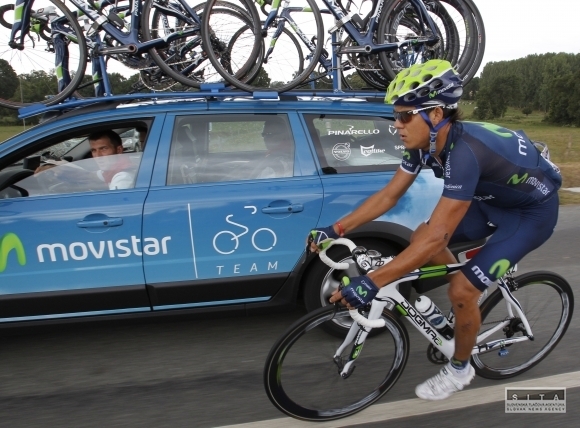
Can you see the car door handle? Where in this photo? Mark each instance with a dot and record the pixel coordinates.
(293, 208)
(93, 221)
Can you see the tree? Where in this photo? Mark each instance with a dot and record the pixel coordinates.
(9, 80)
(262, 80)
(470, 90)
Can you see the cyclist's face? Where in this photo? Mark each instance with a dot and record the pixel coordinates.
(415, 132)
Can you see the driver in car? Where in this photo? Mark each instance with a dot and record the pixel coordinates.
(113, 170)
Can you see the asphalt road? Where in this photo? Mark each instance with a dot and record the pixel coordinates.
(179, 371)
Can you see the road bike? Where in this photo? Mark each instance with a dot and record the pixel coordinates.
(159, 38)
(396, 34)
(315, 376)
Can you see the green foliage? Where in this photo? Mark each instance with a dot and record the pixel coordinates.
(527, 110)
(549, 83)
(470, 90)
(9, 80)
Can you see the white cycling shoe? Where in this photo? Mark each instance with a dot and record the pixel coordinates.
(443, 384)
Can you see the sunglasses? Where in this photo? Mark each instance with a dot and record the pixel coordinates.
(406, 116)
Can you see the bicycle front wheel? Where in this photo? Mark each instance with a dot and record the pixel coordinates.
(48, 63)
(284, 62)
(302, 376)
(548, 303)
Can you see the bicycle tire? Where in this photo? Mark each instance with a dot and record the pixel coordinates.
(3, 9)
(459, 26)
(280, 72)
(184, 59)
(477, 41)
(540, 293)
(34, 64)
(302, 380)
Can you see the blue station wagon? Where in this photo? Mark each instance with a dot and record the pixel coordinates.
(225, 191)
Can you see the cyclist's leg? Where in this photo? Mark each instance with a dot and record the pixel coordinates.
(516, 232)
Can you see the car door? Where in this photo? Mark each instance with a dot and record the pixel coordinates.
(234, 198)
(72, 246)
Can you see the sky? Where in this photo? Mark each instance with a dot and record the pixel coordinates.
(517, 28)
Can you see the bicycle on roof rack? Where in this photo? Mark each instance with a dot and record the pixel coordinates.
(395, 34)
(50, 39)
(310, 374)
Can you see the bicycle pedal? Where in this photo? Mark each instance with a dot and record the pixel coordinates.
(435, 356)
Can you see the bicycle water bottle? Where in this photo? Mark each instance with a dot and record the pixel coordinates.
(435, 317)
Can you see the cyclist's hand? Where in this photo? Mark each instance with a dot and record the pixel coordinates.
(358, 291)
(318, 239)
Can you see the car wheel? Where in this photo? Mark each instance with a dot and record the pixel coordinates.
(322, 280)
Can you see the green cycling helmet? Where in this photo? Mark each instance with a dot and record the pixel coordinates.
(432, 82)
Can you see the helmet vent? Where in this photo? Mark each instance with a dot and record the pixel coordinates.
(423, 92)
(436, 84)
(427, 77)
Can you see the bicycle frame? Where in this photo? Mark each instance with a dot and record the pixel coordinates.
(364, 41)
(129, 40)
(389, 297)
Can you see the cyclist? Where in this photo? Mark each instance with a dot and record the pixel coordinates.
(496, 184)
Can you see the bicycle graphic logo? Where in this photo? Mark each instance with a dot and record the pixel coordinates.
(236, 238)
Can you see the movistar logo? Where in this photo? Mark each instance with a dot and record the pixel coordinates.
(10, 242)
(498, 130)
(516, 179)
(499, 268)
(361, 292)
(407, 155)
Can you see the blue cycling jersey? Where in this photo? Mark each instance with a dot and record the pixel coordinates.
(489, 163)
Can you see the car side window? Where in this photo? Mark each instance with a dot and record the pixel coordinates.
(218, 148)
(73, 164)
(355, 143)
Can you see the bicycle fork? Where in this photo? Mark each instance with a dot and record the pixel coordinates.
(358, 334)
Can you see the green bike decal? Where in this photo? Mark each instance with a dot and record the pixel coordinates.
(10, 242)
(516, 179)
(501, 266)
(356, 351)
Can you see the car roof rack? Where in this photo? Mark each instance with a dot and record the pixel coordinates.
(209, 91)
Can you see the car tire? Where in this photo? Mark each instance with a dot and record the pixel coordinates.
(321, 280)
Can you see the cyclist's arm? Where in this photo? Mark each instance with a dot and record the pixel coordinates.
(429, 241)
(380, 202)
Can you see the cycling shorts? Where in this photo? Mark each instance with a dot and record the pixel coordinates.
(514, 233)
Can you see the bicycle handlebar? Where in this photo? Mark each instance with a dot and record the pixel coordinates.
(354, 314)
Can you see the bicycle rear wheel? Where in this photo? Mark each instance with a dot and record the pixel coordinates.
(31, 72)
(184, 59)
(548, 303)
(459, 26)
(302, 379)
